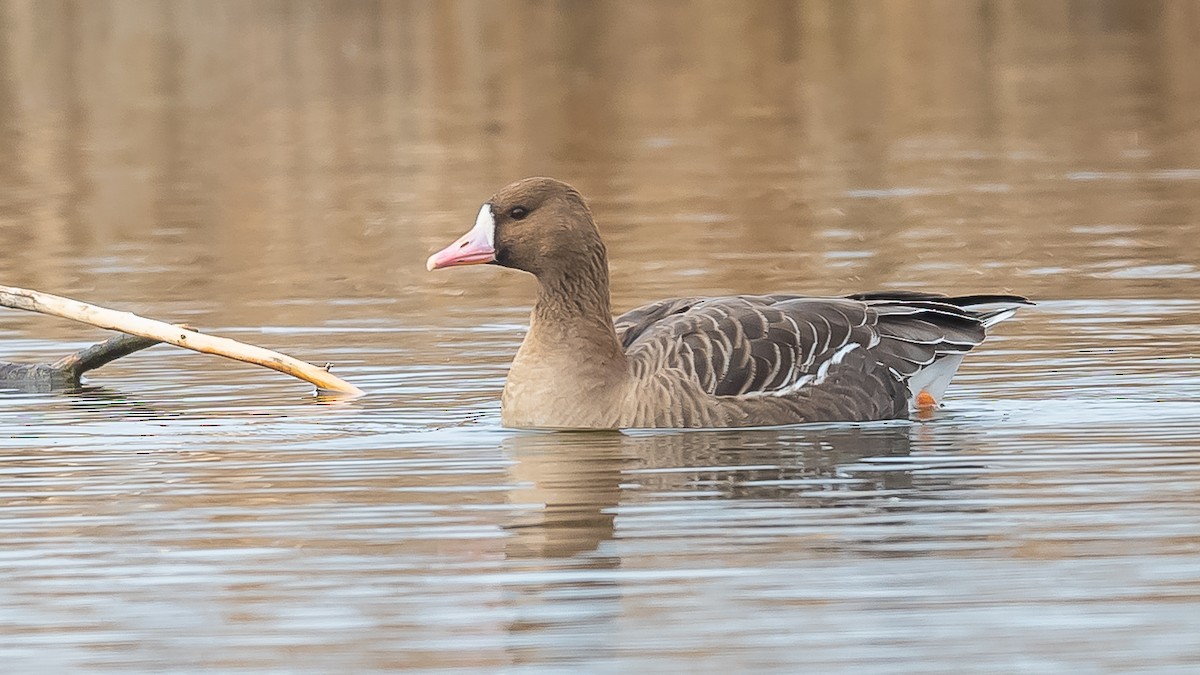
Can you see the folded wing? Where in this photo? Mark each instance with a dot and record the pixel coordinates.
(778, 345)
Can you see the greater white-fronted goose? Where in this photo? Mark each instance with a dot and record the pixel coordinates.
(746, 360)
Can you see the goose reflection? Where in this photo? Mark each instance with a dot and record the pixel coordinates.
(766, 463)
(569, 487)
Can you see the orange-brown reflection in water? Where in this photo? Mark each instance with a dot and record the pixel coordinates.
(226, 149)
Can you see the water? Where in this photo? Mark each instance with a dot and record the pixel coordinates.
(277, 173)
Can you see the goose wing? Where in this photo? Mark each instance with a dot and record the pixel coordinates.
(751, 346)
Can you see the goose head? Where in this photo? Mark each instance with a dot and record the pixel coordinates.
(537, 225)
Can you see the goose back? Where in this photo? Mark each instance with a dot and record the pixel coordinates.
(776, 359)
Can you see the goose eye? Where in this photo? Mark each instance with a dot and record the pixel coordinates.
(518, 212)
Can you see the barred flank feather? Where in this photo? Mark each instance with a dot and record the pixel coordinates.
(760, 356)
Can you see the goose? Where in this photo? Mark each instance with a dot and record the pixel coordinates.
(704, 362)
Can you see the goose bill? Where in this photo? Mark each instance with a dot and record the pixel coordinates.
(473, 248)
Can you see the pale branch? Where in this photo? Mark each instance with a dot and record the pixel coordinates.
(158, 331)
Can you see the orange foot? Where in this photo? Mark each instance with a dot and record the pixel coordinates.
(925, 405)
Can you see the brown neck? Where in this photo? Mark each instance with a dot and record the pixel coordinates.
(573, 311)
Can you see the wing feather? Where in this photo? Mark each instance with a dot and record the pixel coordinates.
(774, 345)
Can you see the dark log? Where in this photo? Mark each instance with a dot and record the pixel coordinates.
(66, 372)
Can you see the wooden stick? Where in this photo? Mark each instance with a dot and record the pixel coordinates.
(126, 322)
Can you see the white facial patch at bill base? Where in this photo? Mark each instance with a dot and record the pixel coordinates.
(485, 224)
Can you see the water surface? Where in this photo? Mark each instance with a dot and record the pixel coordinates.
(277, 173)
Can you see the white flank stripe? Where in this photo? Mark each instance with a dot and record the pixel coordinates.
(837, 357)
(840, 355)
(805, 380)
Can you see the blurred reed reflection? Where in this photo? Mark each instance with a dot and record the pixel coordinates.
(260, 149)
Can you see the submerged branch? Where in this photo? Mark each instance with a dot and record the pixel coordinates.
(108, 351)
(66, 372)
(158, 331)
